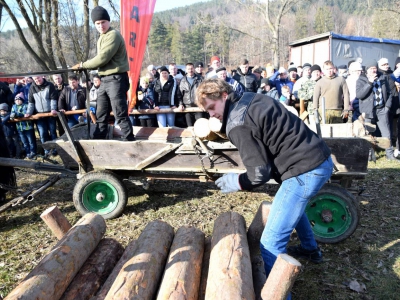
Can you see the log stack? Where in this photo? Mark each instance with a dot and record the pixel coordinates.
(160, 264)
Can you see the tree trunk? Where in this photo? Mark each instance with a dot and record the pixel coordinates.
(51, 277)
(128, 254)
(56, 221)
(140, 276)
(181, 278)
(204, 268)
(229, 275)
(281, 279)
(95, 270)
(253, 236)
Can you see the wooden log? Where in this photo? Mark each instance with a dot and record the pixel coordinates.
(253, 237)
(95, 270)
(214, 124)
(56, 221)
(140, 276)
(281, 279)
(127, 255)
(202, 130)
(229, 275)
(205, 265)
(51, 277)
(181, 278)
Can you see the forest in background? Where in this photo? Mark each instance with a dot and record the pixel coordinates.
(232, 29)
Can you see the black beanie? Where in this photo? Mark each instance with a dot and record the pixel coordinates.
(164, 68)
(369, 62)
(396, 62)
(315, 68)
(292, 69)
(220, 69)
(99, 13)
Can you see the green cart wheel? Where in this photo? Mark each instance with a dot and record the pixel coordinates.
(333, 214)
(100, 192)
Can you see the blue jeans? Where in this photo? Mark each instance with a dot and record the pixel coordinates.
(29, 141)
(72, 121)
(166, 119)
(287, 213)
(46, 125)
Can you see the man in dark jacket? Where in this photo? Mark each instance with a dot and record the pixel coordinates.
(187, 93)
(272, 142)
(43, 99)
(373, 91)
(245, 77)
(72, 97)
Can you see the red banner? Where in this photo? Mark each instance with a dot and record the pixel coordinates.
(136, 17)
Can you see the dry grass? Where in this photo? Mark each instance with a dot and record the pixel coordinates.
(370, 256)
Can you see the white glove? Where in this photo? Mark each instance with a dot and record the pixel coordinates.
(229, 183)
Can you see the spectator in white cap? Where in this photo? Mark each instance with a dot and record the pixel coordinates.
(279, 79)
(152, 70)
(355, 70)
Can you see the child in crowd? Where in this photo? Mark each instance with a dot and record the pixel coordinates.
(25, 128)
(145, 101)
(10, 131)
(285, 98)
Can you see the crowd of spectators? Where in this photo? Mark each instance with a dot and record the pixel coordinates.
(361, 90)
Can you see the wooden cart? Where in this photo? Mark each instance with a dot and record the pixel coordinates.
(176, 154)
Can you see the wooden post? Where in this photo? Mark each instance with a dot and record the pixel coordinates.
(140, 276)
(229, 275)
(56, 221)
(253, 236)
(51, 277)
(204, 268)
(181, 278)
(281, 279)
(95, 270)
(128, 254)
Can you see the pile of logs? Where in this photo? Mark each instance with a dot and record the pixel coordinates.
(160, 264)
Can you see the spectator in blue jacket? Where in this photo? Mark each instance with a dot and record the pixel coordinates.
(279, 79)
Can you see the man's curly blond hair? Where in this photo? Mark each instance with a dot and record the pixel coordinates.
(211, 89)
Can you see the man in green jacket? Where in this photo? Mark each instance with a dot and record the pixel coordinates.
(111, 62)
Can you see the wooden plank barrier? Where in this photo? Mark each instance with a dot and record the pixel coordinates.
(159, 264)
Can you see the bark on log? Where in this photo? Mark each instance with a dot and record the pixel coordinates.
(181, 278)
(128, 254)
(51, 277)
(202, 130)
(204, 268)
(140, 276)
(229, 275)
(253, 236)
(281, 279)
(56, 221)
(95, 270)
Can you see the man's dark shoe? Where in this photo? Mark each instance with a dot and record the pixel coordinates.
(299, 252)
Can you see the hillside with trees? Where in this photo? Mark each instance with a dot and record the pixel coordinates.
(232, 29)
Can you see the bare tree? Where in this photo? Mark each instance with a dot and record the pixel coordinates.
(42, 19)
(272, 12)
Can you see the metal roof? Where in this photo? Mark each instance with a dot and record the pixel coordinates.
(325, 35)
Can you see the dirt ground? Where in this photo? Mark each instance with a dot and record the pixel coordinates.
(364, 266)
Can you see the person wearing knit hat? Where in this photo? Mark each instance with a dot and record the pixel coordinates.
(112, 64)
(306, 74)
(199, 68)
(355, 69)
(374, 92)
(237, 88)
(306, 91)
(25, 128)
(215, 63)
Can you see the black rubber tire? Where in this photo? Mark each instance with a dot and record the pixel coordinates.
(96, 177)
(328, 193)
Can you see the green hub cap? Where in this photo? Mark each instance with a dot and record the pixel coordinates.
(100, 197)
(329, 215)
